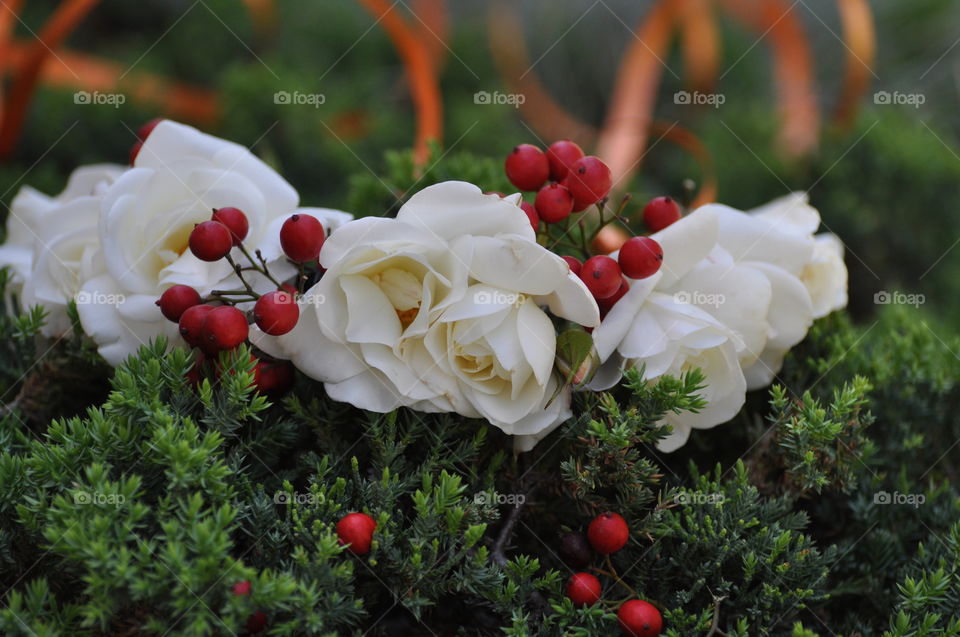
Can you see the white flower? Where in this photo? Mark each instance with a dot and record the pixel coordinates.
(742, 287)
(179, 177)
(659, 325)
(440, 310)
(52, 242)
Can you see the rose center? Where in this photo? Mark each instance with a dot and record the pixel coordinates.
(404, 290)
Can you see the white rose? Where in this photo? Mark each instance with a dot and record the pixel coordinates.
(660, 325)
(440, 310)
(179, 177)
(52, 242)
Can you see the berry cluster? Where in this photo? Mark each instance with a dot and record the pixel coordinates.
(215, 323)
(567, 181)
(606, 534)
(577, 181)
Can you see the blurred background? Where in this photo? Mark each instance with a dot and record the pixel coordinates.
(735, 100)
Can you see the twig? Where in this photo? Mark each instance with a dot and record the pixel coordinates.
(506, 532)
(715, 626)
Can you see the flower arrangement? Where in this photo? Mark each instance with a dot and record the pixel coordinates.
(466, 302)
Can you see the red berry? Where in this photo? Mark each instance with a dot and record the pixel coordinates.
(531, 214)
(225, 328)
(639, 618)
(241, 588)
(301, 238)
(601, 274)
(589, 180)
(177, 300)
(256, 622)
(191, 324)
(583, 589)
(608, 533)
(554, 203)
(356, 529)
(640, 257)
(607, 304)
(527, 167)
(276, 312)
(660, 212)
(210, 241)
(144, 131)
(235, 221)
(135, 151)
(574, 263)
(561, 155)
(273, 377)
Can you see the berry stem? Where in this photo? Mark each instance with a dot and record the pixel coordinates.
(262, 268)
(613, 573)
(239, 271)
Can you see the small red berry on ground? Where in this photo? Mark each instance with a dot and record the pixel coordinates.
(574, 264)
(191, 324)
(608, 533)
(225, 327)
(561, 155)
(639, 618)
(527, 167)
(554, 203)
(601, 275)
(589, 180)
(256, 622)
(235, 221)
(640, 257)
(356, 529)
(301, 238)
(210, 241)
(242, 588)
(660, 212)
(177, 300)
(276, 312)
(583, 589)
